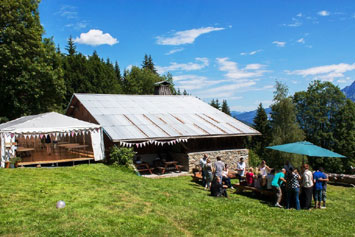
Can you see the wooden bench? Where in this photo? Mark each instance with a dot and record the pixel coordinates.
(144, 167)
(241, 188)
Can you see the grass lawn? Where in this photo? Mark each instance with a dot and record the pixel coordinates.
(102, 200)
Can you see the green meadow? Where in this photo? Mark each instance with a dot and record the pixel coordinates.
(107, 201)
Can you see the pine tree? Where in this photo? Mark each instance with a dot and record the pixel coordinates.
(284, 126)
(225, 107)
(213, 103)
(218, 105)
(71, 48)
(185, 92)
(262, 124)
(148, 64)
(178, 92)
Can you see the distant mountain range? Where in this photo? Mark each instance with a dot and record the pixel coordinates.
(349, 91)
(248, 117)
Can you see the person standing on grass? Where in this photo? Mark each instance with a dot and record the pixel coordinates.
(263, 170)
(324, 190)
(293, 188)
(276, 182)
(241, 169)
(203, 161)
(306, 187)
(318, 178)
(218, 168)
(208, 173)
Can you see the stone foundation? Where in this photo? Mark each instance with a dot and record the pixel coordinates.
(230, 157)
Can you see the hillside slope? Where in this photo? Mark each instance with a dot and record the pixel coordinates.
(106, 201)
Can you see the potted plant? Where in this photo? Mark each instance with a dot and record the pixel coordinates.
(14, 161)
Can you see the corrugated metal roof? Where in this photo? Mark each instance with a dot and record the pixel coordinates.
(144, 117)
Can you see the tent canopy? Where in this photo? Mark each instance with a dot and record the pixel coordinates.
(305, 148)
(53, 124)
(45, 123)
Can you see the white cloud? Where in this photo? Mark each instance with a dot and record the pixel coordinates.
(77, 25)
(233, 72)
(226, 90)
(193, 82)
(174, 51)
(184, 66)
(301, 41)
(279, 43)
(186, 36)
(251, 53)
(68, 12)
(344, 80)
(95, 37)
(254, 66)
(299, 14)
(327, 72)
(324, 13)
(296, 22)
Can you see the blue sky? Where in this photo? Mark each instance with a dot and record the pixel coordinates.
(232, 50)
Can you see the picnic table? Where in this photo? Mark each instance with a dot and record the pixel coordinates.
(170, 165)
(143, 167)
(68, 145)
(24, 151)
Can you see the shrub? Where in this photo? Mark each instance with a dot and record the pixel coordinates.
(122, 156)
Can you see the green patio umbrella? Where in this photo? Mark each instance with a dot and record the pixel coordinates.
(305, 148)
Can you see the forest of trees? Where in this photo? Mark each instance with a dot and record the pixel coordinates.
(37, 77)
(321, 115)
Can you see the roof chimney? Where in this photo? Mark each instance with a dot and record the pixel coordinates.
(162, 88)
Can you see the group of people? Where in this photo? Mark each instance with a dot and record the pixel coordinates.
(213, 176)
(292, 188)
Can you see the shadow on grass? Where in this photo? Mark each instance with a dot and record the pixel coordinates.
(266, 200)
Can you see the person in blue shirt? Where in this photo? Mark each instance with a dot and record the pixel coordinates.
(276, 182)
(318, 179)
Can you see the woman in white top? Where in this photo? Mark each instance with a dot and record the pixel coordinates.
(263, 171)
(306, 187)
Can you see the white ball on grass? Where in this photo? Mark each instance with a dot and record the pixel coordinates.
(60, 204)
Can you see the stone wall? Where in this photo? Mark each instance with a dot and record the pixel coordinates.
(230, 157)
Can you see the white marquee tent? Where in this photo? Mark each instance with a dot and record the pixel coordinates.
(53, 124)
